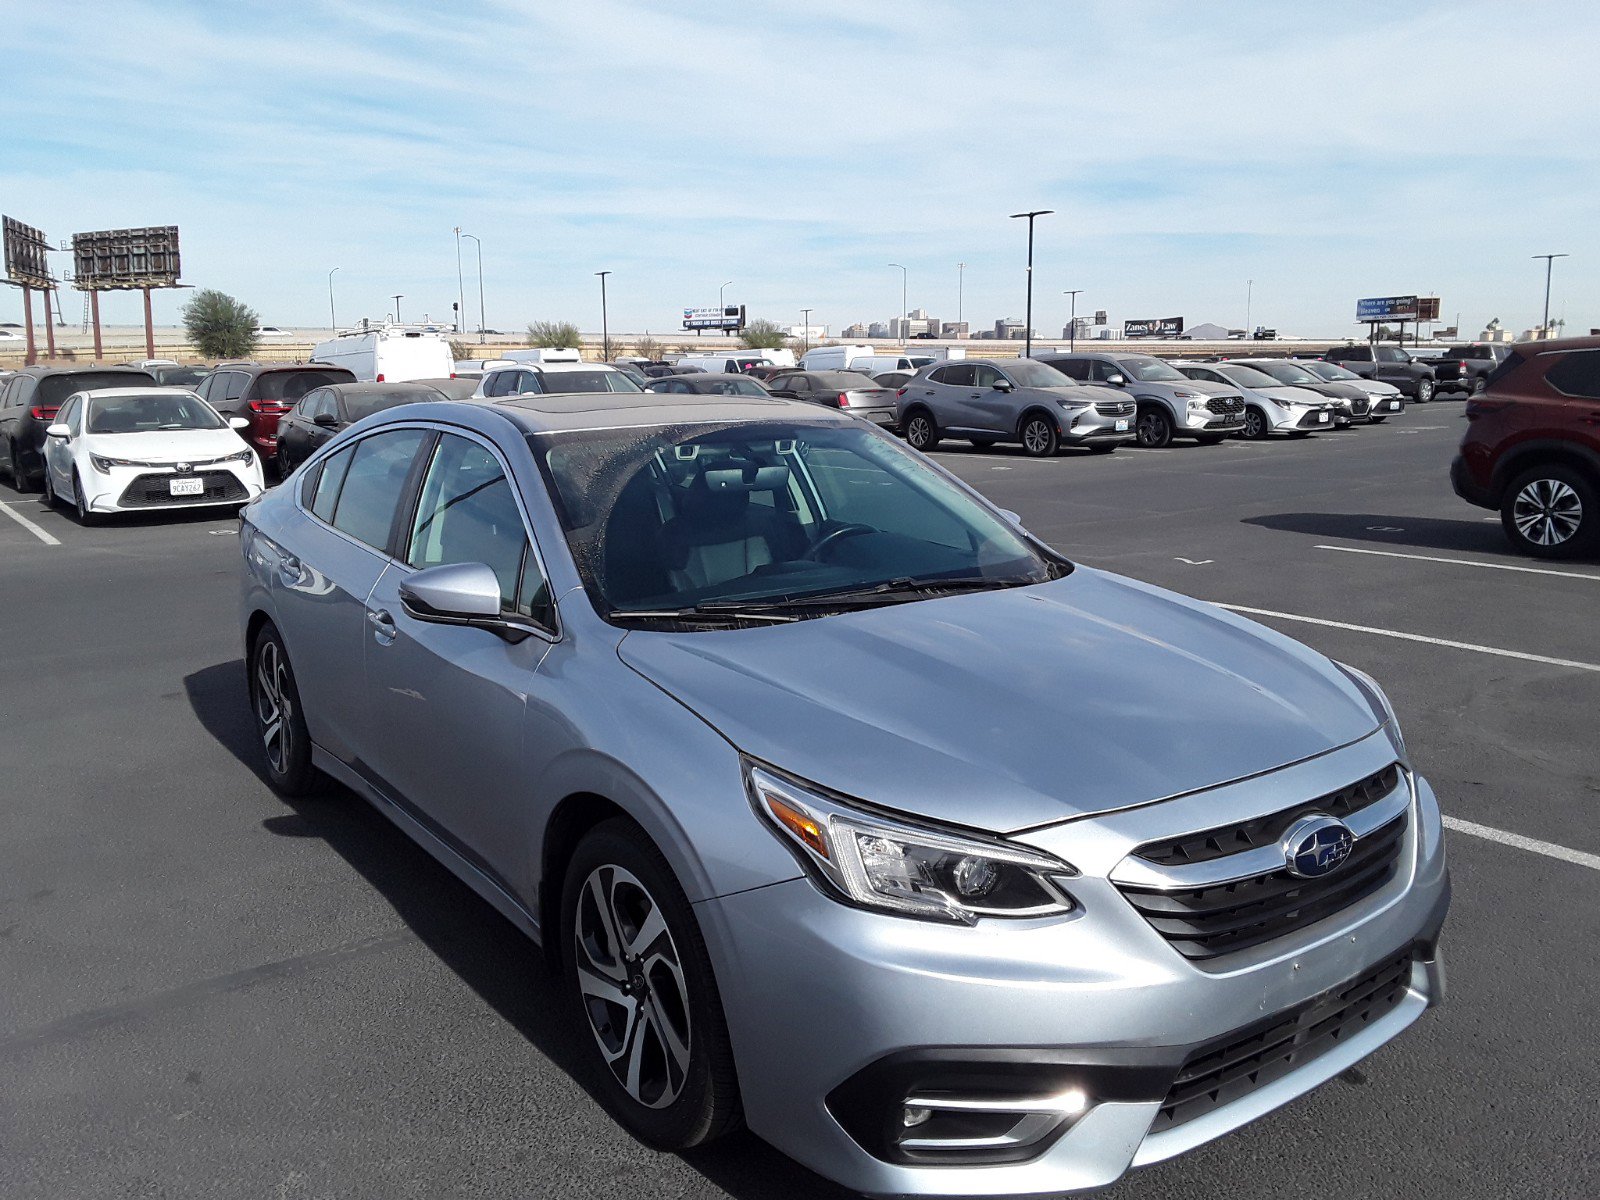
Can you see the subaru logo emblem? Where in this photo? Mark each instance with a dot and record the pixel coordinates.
(1316, 845)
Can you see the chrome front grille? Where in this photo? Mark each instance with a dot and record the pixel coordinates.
(1222, 890)
(1115, 408)
(1226, 405)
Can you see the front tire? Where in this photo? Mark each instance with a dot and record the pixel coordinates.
(982, 443)
(921, 432)
(1256, 425)
(1039, 436)
(1552, 512)
(50, 497)
(640, 983)
(1376, 420)
(1425, 390)
(280, 723)
(1154, 430)
(85, 516)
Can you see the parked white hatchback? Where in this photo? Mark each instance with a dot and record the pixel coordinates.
(132, 449)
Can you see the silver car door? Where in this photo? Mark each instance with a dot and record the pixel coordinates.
(991, 409)
(448, 704)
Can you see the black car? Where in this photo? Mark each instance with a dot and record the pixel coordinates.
(702, 383)
(1387, 364)
(28, 407)
(179, 375)
(662, 370)
(326, 410)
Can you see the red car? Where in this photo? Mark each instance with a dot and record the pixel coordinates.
(261, 394)
(1532, 448)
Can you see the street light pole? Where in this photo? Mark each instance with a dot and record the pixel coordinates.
(605, 323)
(720, 290)
(333, 320)
(1072, 323)
(397, 300)
(961, 283)
(483, 325)
(461, 287)
(1027, 331)
(805, 330)
(904, 308)
(1549, 263)
(1249, 294)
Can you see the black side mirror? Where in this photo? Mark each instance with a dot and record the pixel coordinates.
(326, 420)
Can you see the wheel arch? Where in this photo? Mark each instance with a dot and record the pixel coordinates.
(573, 817)
(1527, 455)
(1036, 409)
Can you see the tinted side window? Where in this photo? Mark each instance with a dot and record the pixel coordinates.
(959, 375)
(1103, 371)
(328, 481)
(1577, 374)
(233, 384)
(468, 514)
(984, 376)
(373, 483)
(1072, 368)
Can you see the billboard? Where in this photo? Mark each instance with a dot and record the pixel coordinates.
(1100, 317)
(27, 254)
(1427, 308)
(108, 259)
(1387, 308)
(1155, 327)
(729, 317)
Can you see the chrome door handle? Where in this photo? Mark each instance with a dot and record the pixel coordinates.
(382, 623)
(289, 570)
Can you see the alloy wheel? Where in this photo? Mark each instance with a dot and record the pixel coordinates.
(1037, 437)
(631, 980)
(1547, 512)
(1153, 430)
(919, 432)
(1255, 425)
(1424, 391)
(273, 705)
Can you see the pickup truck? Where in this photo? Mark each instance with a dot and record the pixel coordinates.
(1387, 364)
(1466, 368)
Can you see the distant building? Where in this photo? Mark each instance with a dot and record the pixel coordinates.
(953, 329)
(1081, 324)
(858, 330)
(916, 323)
(877, 330)
(1010, 329)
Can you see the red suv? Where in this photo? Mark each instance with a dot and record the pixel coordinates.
(262, 394)
(1532, 449)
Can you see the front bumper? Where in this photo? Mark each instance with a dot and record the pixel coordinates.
(146, 489)
(1093, 1005)
(1324, 417)
(1088, 426)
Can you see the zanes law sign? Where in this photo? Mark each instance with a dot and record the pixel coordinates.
(1159, 327)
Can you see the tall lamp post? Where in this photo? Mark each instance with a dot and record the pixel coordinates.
(1249, 294)
(461, 287)
(961, 281)
(397, 300)
(333, 320)
(720, 290)
(483, 325)
(605, 323)
(1072, 322)
(1549, 263)
(1027, 331)
(904, 309)
(805, 330)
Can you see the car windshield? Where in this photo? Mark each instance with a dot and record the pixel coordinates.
(142, 414)
(1285, 372)
(179, 376)
(1331, 372)
(364, 404)
(1027, 373)
(683, 519)
(289, 386)
(1151, 370)
(729, 385)
(847, 381)
(1392, 354)
(588, 381)
(1246, 376)
(53, 389)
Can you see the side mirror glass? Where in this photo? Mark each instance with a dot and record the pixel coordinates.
(238, 423)
(459, 594)
(58, 430)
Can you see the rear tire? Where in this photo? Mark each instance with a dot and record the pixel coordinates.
(1039, 436)
(1102, 449)
(921, 432)
(641, 988)
(19, 477)
(1210, 439)
(982, 443)
(1552, 512)
(1154, 429)
(279, 721)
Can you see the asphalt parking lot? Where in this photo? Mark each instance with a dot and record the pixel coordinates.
(208, 992)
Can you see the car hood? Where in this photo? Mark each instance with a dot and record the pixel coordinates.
(1372, 387)
(1339, 391)
(1079, 393)
(1015, 708)
(1288, 393)
(166, 445)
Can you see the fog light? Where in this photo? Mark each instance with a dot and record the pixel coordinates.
(916, 1116)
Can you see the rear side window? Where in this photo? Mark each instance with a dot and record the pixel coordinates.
(289, 386)
(1577, 374)
(959, 375)
(372, 485)
(323, 487)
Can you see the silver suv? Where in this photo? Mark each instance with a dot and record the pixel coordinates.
(1013, 400)
(1170, 406)
(840, 805)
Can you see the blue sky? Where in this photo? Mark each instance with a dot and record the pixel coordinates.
(1324, 150)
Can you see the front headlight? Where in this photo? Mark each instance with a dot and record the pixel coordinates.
(103, 464)
(1379, 700)
(1184, 394)
(243, 456)
(1073, 405)
(896, 866)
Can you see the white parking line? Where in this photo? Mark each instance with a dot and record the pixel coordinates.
(1532, 845)
(1461, 562)
(1414, 637)
(28, 525)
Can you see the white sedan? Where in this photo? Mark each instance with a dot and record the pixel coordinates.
(135, 449)
(1269, 406)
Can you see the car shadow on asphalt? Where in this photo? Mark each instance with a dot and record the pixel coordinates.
(1473, 534)
(489, 954)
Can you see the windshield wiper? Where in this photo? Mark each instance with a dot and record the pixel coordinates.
(721, 614)
(891, 591)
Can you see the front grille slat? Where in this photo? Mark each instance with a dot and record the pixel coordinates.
(1226, 405)
(1217, 918)
(1238, 1063)
(154, 491)
(1115, 408)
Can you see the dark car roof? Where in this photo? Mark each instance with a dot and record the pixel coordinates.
(550, 411)
(424, 390)
(259, 369)
(1557, 344)
(81, 368)
(455, 388)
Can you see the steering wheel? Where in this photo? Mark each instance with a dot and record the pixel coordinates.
(837, 535)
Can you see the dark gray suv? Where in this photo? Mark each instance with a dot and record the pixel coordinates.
(1014, 400)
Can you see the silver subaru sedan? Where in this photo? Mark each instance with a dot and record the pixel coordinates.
(845, 808)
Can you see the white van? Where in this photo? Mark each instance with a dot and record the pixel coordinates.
(856, 358)
(389, 354)
(545, 354)
(737, 362)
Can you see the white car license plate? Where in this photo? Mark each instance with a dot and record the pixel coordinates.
(1322, 418)
(1122, 426)
(1393, 406)
(187, 487)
